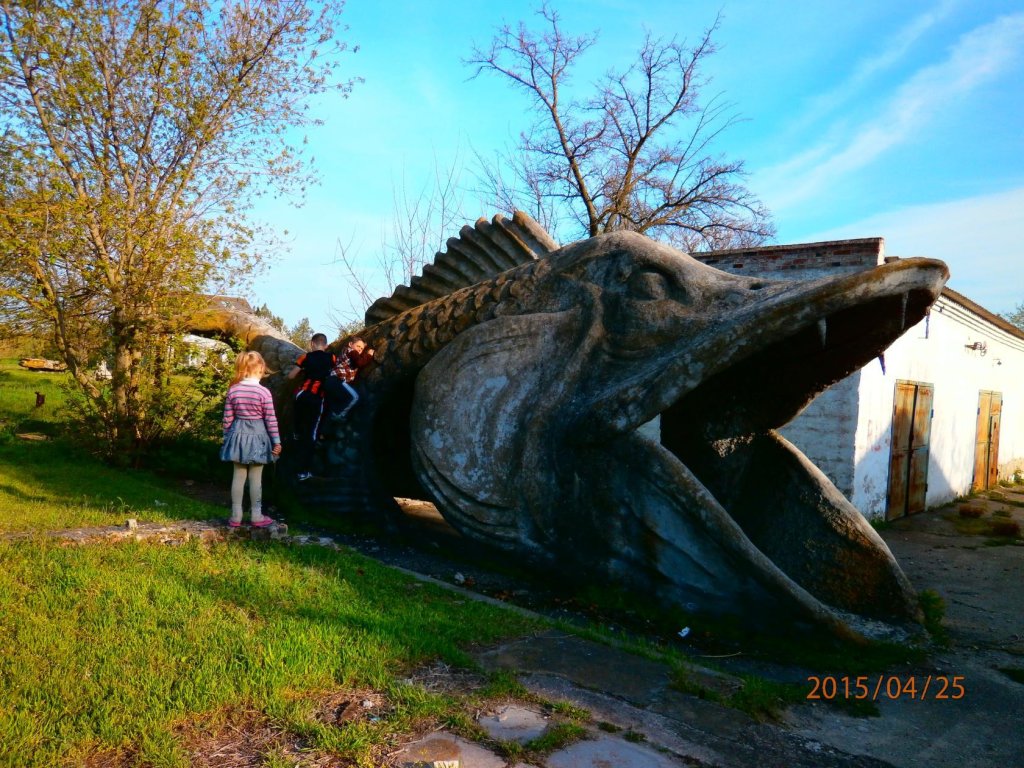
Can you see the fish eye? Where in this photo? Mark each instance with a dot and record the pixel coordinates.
(649, 284)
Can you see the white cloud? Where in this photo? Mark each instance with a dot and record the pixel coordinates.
(893, 50)
(980, 238)
(978, 56)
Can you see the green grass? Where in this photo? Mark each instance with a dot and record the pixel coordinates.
(108, 647)
(56, 483)
(1002, 530)
(760, 698)
(51, 485)
(933, 608)
(117, 650)
(18, 412)
(557, 737)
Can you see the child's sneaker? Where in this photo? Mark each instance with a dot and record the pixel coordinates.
(234, 523)
(263, 523)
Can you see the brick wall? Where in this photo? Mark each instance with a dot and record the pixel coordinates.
(799, 262)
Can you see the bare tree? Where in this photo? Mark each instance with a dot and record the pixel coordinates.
(635, 155)
(136, 134)
(422, 220)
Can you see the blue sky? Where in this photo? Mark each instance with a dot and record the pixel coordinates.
(896, 119)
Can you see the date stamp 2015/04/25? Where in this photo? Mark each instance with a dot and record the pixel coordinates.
(875, 687)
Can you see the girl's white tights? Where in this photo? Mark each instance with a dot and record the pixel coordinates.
(255, 474)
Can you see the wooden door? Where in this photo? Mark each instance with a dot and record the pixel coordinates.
(899, 455)
(986, 446)
(920, 436)
(908, 458)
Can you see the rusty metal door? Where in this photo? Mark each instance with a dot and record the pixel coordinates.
(908, 458)
(986, 447)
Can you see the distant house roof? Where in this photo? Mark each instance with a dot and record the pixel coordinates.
(231, 302)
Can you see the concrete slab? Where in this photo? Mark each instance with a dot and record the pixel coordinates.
(611, 752)
(700, 732)
(445, 750)
(588, 664)
(514, 723)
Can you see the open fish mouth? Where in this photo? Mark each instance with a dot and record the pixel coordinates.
(764, 360)
(839, 329)
(769, 360)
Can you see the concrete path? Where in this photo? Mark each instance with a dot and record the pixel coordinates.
(632, 696)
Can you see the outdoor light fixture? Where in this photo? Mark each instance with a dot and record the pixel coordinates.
(978, 346)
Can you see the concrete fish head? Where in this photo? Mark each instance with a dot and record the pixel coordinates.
(664, 327)
(721, 512)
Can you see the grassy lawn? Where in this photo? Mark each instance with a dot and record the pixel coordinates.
(112, 647)
(18, 411)
(51, 484)
(48, 485)
(113, 653)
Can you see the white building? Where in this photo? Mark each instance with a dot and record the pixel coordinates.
(940, 414)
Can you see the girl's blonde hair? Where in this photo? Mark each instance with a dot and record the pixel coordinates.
(247, 365)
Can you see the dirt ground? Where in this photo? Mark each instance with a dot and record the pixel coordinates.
(981, 580)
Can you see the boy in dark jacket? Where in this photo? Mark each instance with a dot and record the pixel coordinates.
(316, 365)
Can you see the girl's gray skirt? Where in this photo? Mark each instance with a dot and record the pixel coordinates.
(248, 442)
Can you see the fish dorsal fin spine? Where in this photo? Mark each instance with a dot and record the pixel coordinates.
(477, 254)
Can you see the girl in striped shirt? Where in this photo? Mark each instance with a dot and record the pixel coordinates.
(251, 437)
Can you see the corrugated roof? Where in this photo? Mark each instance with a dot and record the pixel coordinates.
(1000, 322)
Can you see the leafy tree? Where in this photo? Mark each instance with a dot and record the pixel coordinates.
(1017, 316)
(635, 154)
(275, 320)
(136, 134)
(301, 333)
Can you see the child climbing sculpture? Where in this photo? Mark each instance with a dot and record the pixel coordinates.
(341, 394)
(309, 400)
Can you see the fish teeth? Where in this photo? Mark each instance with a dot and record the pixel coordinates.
(823, 331)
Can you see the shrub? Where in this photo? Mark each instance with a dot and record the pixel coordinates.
(182, 415)
(1010, 528)
(971, 510)
(933, 609)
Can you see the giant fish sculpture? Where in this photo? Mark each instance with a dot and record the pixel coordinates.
(511, 380)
